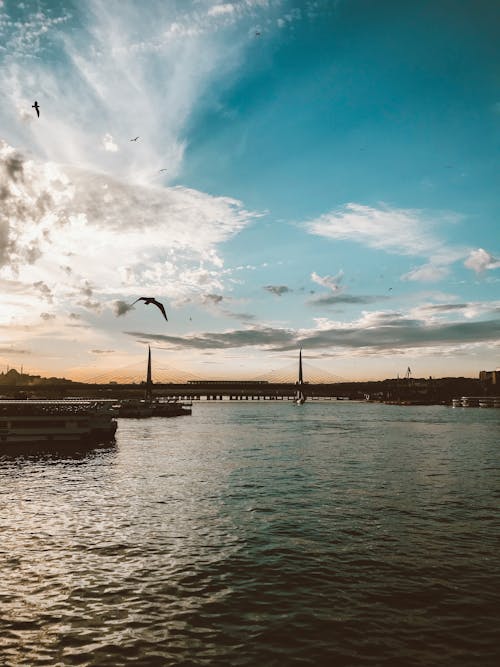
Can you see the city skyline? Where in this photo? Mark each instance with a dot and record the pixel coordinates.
(316, 174)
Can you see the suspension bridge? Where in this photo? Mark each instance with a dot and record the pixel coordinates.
(165, 374)
(277, 384)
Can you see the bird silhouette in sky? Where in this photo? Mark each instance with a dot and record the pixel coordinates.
(149, 299)
(135, 139)
(36, 107)
(163, 170)
(257, 33)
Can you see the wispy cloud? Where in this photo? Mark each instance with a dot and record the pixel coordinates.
(161, 57)
(382, 331)
(109, 144)
(277, 290)
(481, 260)
(427, 273)
(213, 299)
(401, 231)
(395, 230)
(335, 299)
(331, 282)
(121, 307)
(261, 336)
(222, 9)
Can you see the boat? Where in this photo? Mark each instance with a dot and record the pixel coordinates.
(300, 396)
(140, 408)
(165, 407)
(149, 406)
(476, 401)
(135, 408)
(32, 422)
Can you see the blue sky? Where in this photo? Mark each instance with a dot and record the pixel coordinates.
(331, 182)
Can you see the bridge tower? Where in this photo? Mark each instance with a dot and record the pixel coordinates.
(148, 394)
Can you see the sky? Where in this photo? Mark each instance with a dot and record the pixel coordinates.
(315, 174)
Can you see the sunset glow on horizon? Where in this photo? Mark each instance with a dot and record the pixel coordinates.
(280, 174)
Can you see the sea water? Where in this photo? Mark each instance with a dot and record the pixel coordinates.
(258, 533)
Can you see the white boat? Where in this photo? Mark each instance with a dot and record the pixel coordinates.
(300, 396)
(33, 422)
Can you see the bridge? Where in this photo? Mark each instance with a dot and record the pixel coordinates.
(278, 384)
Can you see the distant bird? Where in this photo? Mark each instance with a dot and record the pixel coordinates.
(149, 299)
(257, 33)
(36, 107)
(135, 139)
(163, 170)
(390, 289)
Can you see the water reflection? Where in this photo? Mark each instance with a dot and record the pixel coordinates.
(52, 452)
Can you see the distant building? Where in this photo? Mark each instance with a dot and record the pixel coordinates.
(490, 377)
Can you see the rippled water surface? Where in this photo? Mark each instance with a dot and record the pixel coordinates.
(258, 534)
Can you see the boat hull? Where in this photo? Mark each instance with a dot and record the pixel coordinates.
(26, 423)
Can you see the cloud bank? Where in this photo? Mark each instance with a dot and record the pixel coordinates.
(139, 237)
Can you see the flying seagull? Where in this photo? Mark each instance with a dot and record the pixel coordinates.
(149, 299)
(135, 139)
(163, 170)
(36, 107)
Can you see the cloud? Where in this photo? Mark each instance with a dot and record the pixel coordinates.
(480, 260)
(25, 37)
(44, 290)
(260, 336)
(11, 349)
(214, 299)
(121, 307)
(147, 237)
(47, 316)
(400, 334)
(427, 273)
(125, 65)
(395, 230)
(277, 290)
(222, 9)
(244, 317)
(473, 310)
(444, 307)
(334, 299)
(386, 332)
(109, 144)
(337, 295)
(90, 304)
(331, 282)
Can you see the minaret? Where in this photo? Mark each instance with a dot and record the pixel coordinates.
(300, 368)
(148, 396)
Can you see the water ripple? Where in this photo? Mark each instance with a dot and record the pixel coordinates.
(246, 535)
